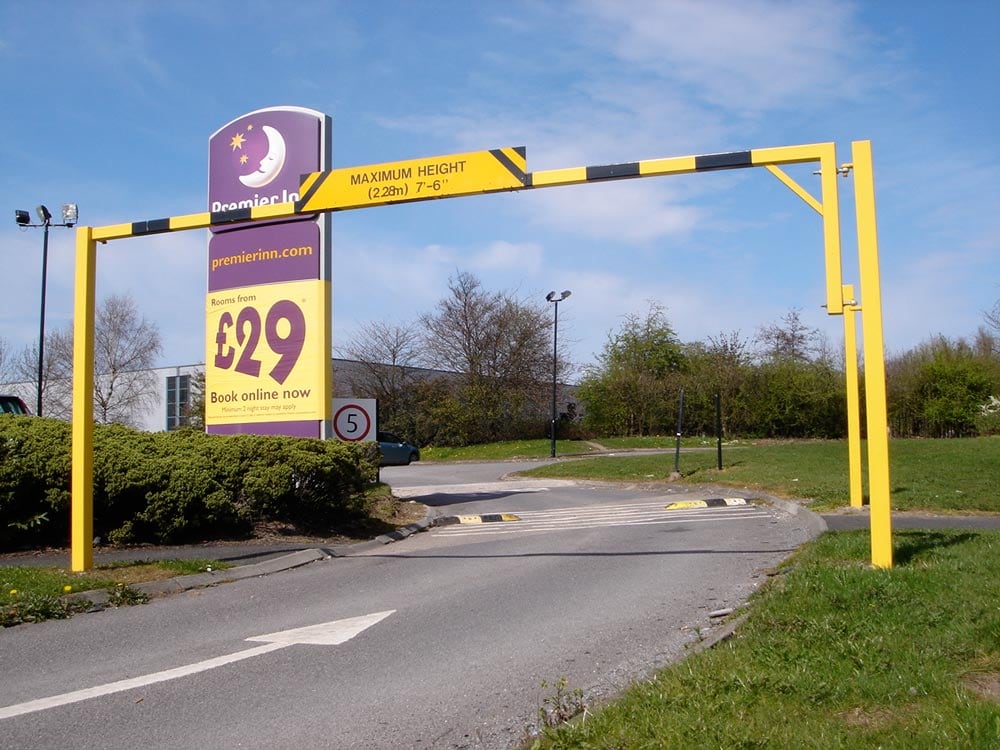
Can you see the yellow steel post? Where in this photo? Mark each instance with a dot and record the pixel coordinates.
(874, 353)
(82, 486)
(853, 400)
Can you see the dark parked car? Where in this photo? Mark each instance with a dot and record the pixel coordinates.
(396, 451)
(12, 405)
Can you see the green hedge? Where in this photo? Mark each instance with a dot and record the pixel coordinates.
(177, 487)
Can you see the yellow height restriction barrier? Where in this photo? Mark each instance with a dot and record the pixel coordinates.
(505, 169)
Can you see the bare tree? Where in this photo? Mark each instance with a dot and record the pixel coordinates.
(194, 412)
(502, 347)
(488, 335)
(993, 317)
(125, 349)
(57, 369)
(387, 355)
(790, 339)
(5, 362)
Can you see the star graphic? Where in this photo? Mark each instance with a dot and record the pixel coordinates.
(237, 141)
(244, 159)
(250, 126)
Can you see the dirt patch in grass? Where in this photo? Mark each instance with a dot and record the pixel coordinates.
(984, 684)
(134, 574)
(880, 718)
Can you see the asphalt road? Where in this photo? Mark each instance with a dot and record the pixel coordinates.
(449, 635)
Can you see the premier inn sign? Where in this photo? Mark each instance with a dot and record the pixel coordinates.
(267, 310)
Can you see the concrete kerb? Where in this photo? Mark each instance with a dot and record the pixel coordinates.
(99, 597)
(815, 523)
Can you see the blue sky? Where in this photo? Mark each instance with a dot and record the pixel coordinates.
(110, 104)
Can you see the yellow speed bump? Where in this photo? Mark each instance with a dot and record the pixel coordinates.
(484, 518)
(712, 502)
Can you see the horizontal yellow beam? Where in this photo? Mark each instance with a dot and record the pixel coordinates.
(551, 177)
(672, 165)
(790, 154)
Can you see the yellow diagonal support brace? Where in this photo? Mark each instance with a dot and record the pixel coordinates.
(796, 188)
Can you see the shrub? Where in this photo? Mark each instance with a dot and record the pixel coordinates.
(176, 487)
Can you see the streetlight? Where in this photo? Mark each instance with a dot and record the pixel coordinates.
(23, 219)
(551, 297)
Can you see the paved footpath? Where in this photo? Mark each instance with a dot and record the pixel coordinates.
(852, 519)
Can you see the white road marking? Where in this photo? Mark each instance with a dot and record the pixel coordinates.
(324, 634)
(482, 488)
(590, 517)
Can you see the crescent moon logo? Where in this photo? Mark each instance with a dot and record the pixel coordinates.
(272, 162)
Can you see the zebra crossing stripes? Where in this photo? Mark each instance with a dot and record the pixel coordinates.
(599, 516)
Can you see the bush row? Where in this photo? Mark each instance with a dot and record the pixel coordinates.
(177, 487)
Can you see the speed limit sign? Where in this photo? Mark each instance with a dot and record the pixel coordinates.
(354, 419)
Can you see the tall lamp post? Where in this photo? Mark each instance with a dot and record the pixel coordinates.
(23, 219)
(551, 297)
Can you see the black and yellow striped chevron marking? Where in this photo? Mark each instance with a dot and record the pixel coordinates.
(712, 502)
(474, 519)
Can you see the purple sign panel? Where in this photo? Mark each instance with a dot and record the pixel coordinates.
(264, 255)
(259, 159)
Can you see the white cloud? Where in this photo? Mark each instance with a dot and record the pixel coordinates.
(524, 258)
(630, 212)
(747, 55)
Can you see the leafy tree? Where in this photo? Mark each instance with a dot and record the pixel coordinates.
(941, 387)
(720, 365)
(633, 388)
(791, 398)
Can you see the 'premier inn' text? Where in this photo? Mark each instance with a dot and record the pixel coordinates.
(257, 200)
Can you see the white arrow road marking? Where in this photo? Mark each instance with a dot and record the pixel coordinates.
(324, 634)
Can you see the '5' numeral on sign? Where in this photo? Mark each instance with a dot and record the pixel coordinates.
(248, 330)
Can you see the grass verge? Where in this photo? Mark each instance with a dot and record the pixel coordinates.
(34, 593)
(834, 654)
(942, 476)
(505, 451)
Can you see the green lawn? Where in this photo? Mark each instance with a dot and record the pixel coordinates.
(943, 476)
(505, 451)
(834, 654)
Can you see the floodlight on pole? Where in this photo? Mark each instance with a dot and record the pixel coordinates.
(70, 215)
(551, 297)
